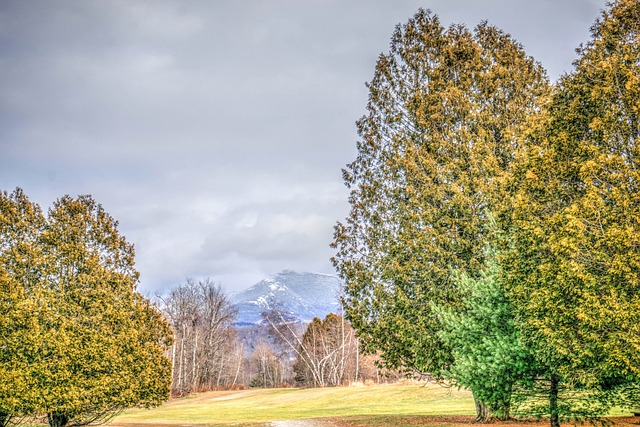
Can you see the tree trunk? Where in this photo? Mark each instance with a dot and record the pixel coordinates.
(235, 379)
(357, 360)
(5, 418)
(194, 368)
(482, 411)
(57, 419)
(173, 362)
(506, 412)
(553, 401)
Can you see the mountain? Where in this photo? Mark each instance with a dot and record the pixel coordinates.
(302, 296)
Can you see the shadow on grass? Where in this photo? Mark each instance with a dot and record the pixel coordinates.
(456, 421)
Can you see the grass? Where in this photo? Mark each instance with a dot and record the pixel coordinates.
(255, 407)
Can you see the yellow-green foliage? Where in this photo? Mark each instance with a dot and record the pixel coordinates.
(573, 257)
(82, 342)
(444, 112)
(21, 301)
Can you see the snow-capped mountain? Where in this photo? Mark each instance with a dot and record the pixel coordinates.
(301, 295)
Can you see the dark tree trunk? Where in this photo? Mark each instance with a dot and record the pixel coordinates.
(5, 417)
(57, 419)
(553, 401)
(485, 414)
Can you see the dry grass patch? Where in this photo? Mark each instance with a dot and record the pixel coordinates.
(253, 407)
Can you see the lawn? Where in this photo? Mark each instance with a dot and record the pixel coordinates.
(255, 407)
(405, 404)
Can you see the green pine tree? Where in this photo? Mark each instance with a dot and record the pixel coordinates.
(489, 357)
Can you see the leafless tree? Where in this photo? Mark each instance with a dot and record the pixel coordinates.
(206, 353)
(269, 369)
(328, 353)
(325, 353)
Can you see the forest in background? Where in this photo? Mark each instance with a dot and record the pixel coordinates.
(210, 352)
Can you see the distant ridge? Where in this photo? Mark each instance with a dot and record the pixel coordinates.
(302, 296)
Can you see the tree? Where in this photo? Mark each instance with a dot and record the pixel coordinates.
(96, 346)
(328, 353)
(572, 257)
(489, 357)
(206, 353)
(270, 369)
(445, 110)
(285, 333)
(21, 267)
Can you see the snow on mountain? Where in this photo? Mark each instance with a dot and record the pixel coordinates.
(301, 295)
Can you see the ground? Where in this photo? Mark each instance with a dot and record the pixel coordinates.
(404, 421)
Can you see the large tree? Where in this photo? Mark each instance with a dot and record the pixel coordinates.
(445, 110)
(21, 267)
(572, 253)
(96, 346)
(106, 346)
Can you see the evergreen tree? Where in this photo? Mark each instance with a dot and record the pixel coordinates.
(21, 274)
(445, 110)
(106, 344)
(489, 357)
(81, 342)
(573, 256)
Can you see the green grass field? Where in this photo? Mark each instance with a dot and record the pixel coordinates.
(255, 407)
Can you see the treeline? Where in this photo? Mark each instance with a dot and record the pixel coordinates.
(209, 352)
(494, 233)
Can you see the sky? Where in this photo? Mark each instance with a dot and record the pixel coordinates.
(215, 131)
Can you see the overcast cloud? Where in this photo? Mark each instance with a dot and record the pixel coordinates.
(215, 131)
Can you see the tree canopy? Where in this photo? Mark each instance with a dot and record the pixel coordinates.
(572, 230)
(95, 345)
(444, 111)
(21, 301)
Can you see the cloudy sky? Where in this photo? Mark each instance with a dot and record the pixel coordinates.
(215, 131)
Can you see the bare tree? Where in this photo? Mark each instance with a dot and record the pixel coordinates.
(206, 353)
(270, 370)
(324, 353)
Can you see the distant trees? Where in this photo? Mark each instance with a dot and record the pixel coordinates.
(210, 352)
(206, 354)
(462, 127)
(328, 353)
(271, 369)
(324, 353)
(78, 342)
